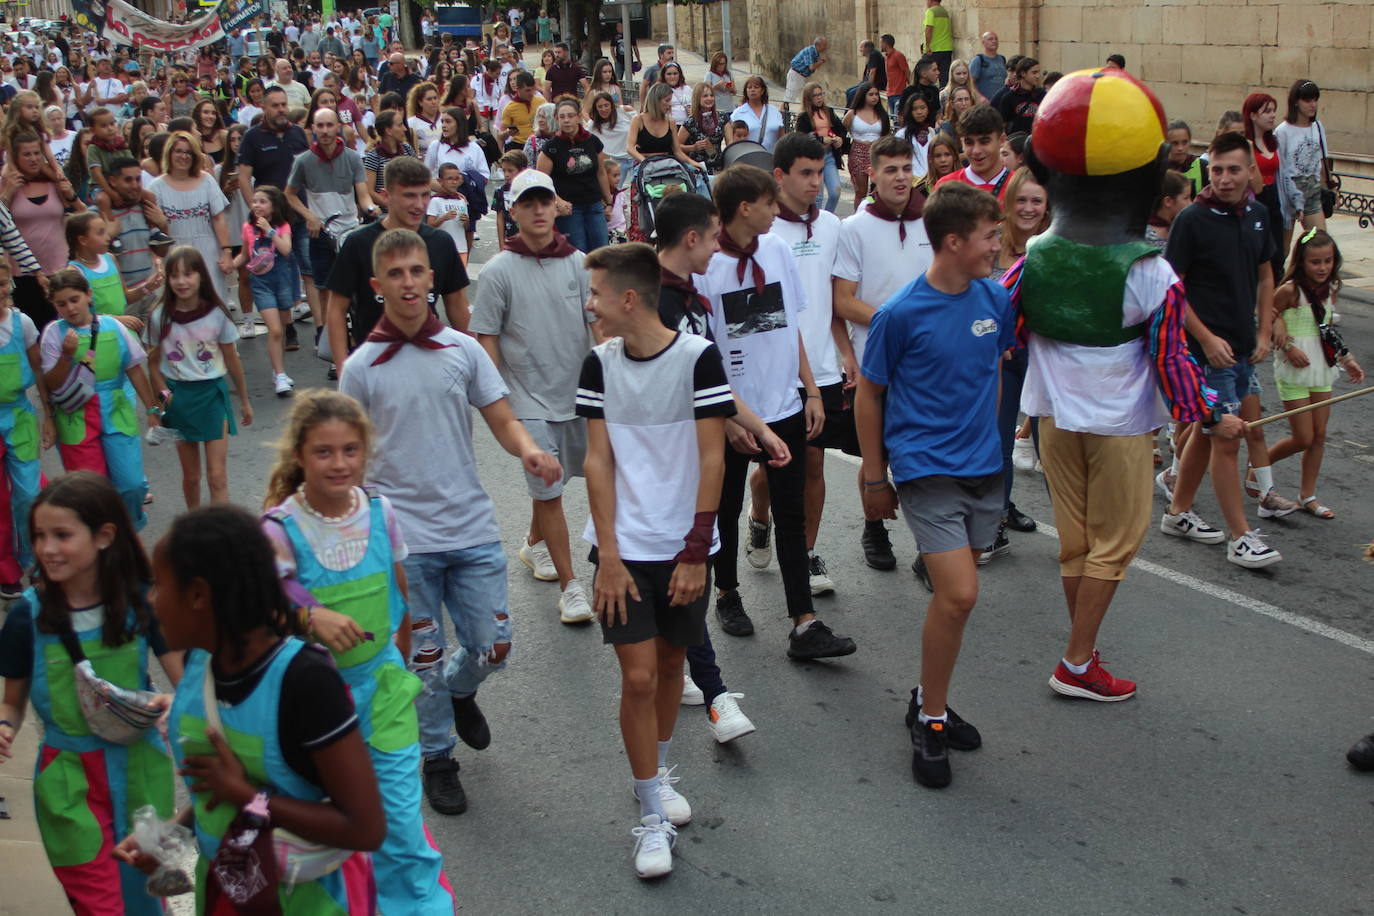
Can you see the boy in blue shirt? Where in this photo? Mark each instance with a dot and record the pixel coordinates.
(927, 405)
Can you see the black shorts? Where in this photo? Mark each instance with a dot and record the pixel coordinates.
(839, 431)
(652, 615)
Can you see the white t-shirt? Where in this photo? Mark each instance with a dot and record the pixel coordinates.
(191, 351)
(337, 545)
(455, 227)
(815, 259)
(919, 152)
(468, 158)
(759, 333)
(50, 342)
(30, 330)
(425, 132)
(247, 113)
(873, 254)
(1107, 391)
(293, 33)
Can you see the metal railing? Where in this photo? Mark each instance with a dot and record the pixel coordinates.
(1357, 201)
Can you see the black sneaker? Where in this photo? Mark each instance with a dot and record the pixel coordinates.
(442, 786)
(960, 735)
(11, 591)
(918, 566)
(1018, 520)
(333, 373)
(1361, 754)
(470, 724)
(817, 641)
(930, 754)
(730, 613)
(292, 343)
(877, 546)
(1000, 547)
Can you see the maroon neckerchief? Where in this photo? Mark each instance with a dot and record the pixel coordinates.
(326, 157)
(689, 289)
(915, 204)
(807, 219)
(579, 137)
(110, 146)
(1157, 222)
(387, 333)
(729, 246)
(173, 315)
(559, 247)
(1208, 198)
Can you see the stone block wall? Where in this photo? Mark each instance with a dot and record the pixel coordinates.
(692, 35)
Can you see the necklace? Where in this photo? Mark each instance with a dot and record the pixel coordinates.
(311, 510)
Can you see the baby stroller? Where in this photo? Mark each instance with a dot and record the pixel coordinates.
(654, 179)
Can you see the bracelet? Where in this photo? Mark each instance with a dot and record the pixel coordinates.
(876, 483)
(816, 396)
(154, 411)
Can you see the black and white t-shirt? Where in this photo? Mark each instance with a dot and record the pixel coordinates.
(758, 332)
(651, 406)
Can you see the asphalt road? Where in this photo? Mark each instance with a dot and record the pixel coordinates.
(1221, 788)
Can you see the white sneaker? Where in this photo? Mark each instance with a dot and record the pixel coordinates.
(1165, 481)
(1189, 525)
(536, 557)
(282, 383)
(727, 722)
(1250, 551)
(1023, 455)
(691, 693)
(654, 839)
(300, 311)
(758, 547)
(821, 583)
(675, 807)
(572, 604)
(247, 327)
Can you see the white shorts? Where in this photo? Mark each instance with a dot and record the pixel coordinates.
(795, 83)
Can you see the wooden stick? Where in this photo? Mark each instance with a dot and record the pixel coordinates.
(1297, 410)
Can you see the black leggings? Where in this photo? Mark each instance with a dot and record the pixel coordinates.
(787, 490)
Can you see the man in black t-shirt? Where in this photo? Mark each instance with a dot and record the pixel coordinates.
(566, 76)
(348, 292)
(1220, 247)
(874, 70)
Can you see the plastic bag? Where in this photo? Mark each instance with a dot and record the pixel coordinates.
(169, 843)
(157, 435)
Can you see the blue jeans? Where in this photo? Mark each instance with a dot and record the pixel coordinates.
(832, 183)
(471, 584)
(275, 289)
(1008, 412)
(1232, 384)
(322, 254)
(585, 227)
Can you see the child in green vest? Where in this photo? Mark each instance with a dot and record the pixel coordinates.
(88, 783)
(88, 239)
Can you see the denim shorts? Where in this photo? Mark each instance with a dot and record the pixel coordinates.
(1233, 384)
(275, 289)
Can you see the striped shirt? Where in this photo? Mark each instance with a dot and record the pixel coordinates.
(650, 406)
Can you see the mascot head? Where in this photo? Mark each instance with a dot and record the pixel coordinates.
(1099, 146)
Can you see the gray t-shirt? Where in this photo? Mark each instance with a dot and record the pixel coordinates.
(328, 186)
(424, 463)
(535, 306)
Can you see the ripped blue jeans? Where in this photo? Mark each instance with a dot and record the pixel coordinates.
(471, 584)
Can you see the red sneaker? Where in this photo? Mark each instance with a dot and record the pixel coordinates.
(1096, 683)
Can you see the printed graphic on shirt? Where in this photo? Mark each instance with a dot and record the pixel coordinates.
(748, 311)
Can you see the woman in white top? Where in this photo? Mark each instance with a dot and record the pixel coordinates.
(866, 122)
(721, 82)
(917, 121)
(765, 123)
(457, 147)
(603, 80)
(194, 204)
(672, 77)
(1302, 161)
(422, 106)
(59, 138)
(611, 126)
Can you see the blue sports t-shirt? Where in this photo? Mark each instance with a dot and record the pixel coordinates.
(939, 356)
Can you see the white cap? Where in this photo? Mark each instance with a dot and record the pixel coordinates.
(529, 180)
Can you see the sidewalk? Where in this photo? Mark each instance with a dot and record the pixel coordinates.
(29, 883)
(1357, 253)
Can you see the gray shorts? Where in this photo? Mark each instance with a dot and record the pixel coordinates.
(1311, 188)
(565, 440)
(952, 513)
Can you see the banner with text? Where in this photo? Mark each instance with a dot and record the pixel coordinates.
(128, 25)
(234, 14)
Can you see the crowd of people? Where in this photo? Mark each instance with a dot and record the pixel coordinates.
(151, 207)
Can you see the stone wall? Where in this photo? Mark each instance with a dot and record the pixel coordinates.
(693, 36)
(1202, 58)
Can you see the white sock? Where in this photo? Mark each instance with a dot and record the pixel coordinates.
(1173, 466)
(1265, 479)
(942, 717)
(920, 695)
(1077, 669)
(646, 790)
(663, 753)
(803, 627)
